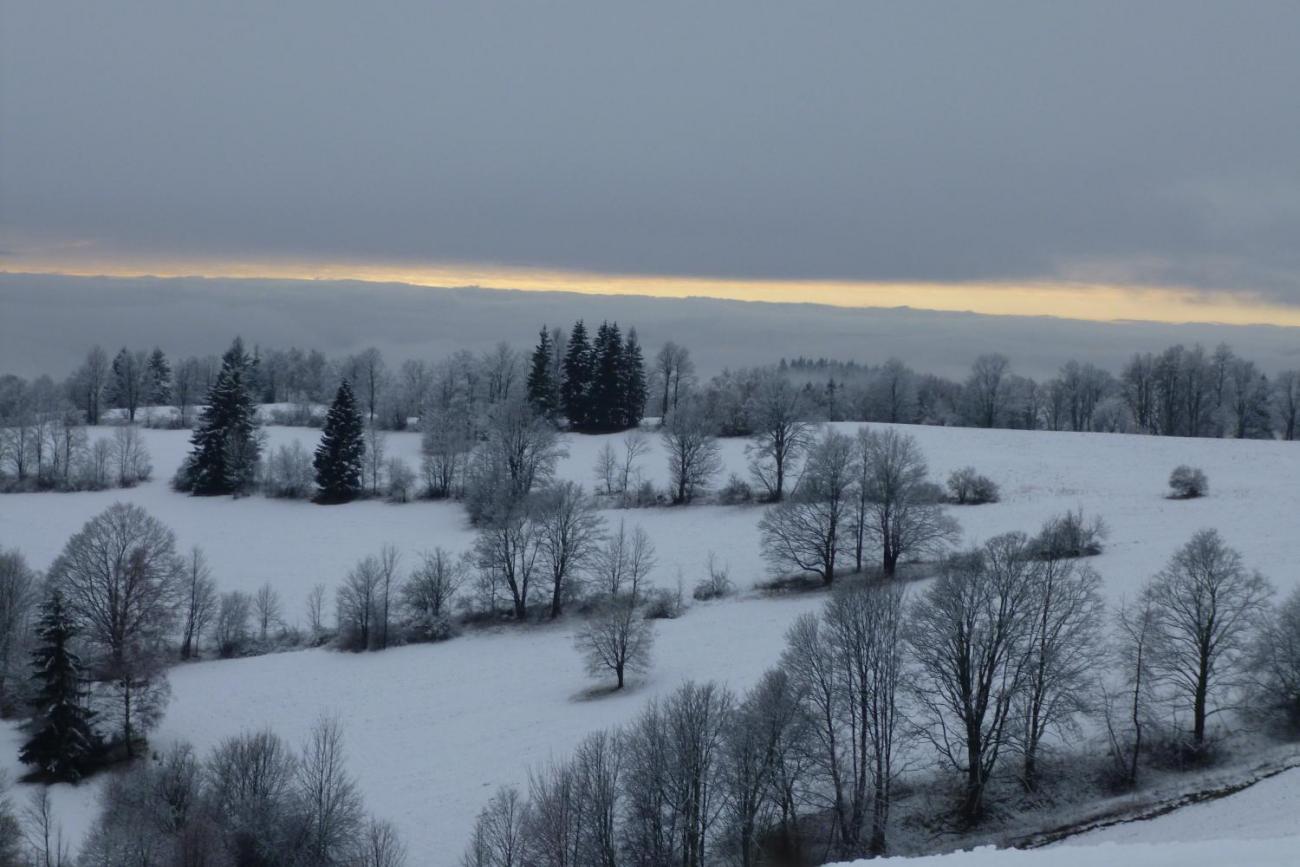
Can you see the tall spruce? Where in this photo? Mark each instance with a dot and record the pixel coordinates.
(342, 449)
(225, 447)
(634, 382)
(159, 379)
(543, 390)
(576, 391)
(64, 743)
(606, 404)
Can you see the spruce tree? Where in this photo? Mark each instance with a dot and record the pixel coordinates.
(542, 391)
(159, 391)
(64, 744)
(224, 449)
(633, 381)
(342, 448)
(576, 392)
(606, 412)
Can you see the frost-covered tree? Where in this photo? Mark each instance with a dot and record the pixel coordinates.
(781, 434)
(571, 528)
(689, 438)
(986, 390)
(158, 379)
(199, 601)
(339, 457)
(18, 598)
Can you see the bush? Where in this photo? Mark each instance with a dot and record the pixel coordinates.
(735, 492)
(717, 585)
(968, 488)
(1187, 483)
(664, 604)
(1070, 535)
(401, 481)
(289, 473)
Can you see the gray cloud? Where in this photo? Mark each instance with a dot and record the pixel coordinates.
(876, 141)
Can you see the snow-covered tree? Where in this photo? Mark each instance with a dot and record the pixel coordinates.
(225, 448)
(342, 448)
(63, 744)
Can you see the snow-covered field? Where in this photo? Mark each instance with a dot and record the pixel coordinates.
(432, 730)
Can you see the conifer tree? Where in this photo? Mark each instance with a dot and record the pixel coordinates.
(576, 392)
(342, 448)
(159, 379)
(225, 448)
(543, 393)
(633, 381)
(606, 406)
(64, 743)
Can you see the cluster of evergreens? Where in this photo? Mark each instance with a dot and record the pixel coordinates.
(598, 385)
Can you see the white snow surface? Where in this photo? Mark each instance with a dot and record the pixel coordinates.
(433, 730)
(1279, 852)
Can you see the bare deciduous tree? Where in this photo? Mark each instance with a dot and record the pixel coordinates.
(18, 596)
(806, 533)
(571, 530)
(897, 509)
(781, 434)
(428, 595)
(332, 814)
(199, 601)
(266, 611)
(230, 630)
(616, 639)
(622, 563)
(1207, 605)
(688, 437)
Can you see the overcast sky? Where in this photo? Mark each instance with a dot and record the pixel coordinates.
(1130, 142)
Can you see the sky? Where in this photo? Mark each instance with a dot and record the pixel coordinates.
(1107, 160)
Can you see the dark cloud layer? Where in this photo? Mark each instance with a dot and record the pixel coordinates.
(862, 140)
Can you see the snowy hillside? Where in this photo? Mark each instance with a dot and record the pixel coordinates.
(433, 729)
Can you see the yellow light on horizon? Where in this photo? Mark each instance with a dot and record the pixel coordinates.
(1064, 299)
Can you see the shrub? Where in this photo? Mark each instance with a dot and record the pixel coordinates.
(401, 481)
(664, 604)
(1187, 483)
(735, 492)
(1070, 535)
(716, 585)
(289, 473)
(966, 487)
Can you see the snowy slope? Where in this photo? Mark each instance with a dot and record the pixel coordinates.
(1220, 853)
(433, 729)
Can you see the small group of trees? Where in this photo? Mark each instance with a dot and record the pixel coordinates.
(252, 800)
(856, 495)
(595, 384)
(226, 446)
(991, 670)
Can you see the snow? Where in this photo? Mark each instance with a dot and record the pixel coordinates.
(1257, 853)
(433, 730)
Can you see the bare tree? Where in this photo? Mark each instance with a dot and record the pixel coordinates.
(43, 832)
(365, 601)
(130, 457)
(571, 529)
(1061, 679)
(18, 597)
(693, 454)
(675, 372)
(781, 433)
(622, 563)
(897, 509)
(1207, 606)
(617, 639)
(252, 785)
(1275, 662)
(498, 839)
(1286, 402)
(428, 595)
(445, 446)
(374, 461)
(316, 612)
(381, 846)
(806, 533)
(199, 603)
(969, 636)
(332, 815)
(230, 630)
(266, 611)
(508, 551)
(1134, 626)
(517, 457)
(986, 389)
(122, 579)
(607, 469)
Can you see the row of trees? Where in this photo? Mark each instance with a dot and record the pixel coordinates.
(988, 672)
(1176, 392)
(54, 452)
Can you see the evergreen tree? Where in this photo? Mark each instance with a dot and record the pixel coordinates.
(159, 379)
(633, 381)
(576, 392)
(225, 448)
(64, 744)
(341, 451)
(543, 392)
(606, 405)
